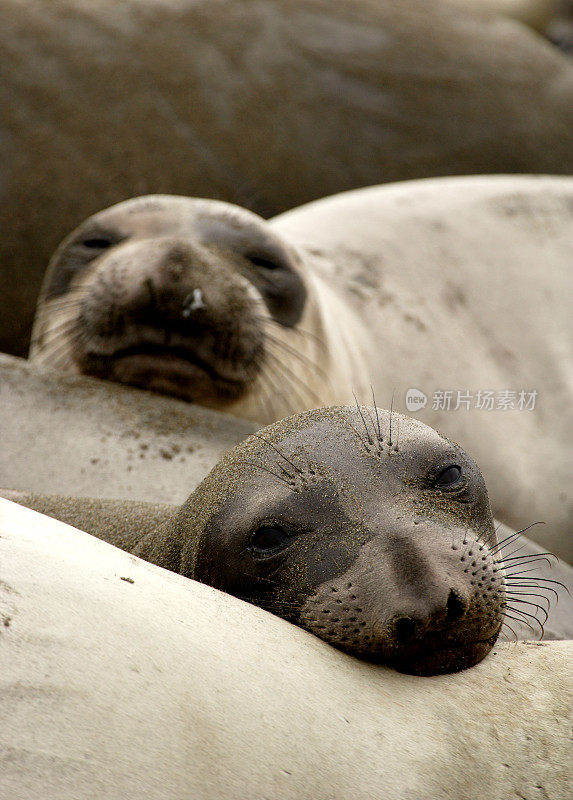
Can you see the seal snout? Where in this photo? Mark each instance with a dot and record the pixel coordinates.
(418, 611)
(404, 629)
(168, 316)
(408, 629)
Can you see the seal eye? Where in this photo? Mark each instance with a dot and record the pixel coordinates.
(449, 478)
(97, 243)
(265, 263)
(269, 538)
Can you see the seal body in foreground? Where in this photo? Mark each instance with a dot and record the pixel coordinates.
(155, 686)
(326, 97)
(434, 285)
(368, 529)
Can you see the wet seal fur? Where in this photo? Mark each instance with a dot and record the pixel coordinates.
(366, 528)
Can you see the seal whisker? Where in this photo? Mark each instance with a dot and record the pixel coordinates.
(529, 594)
(294, 377)
(277, 379)
(505, 624)
(504, 542)
(359, 437)
(378, 429)
(530, 616)
(520, 585)
(69, 306)
(276, 449)
(302, 357)
(266, 398)
(57, 351)
(513, 552)
(297, 331)
(527, 613)
(371, 418)
(277, 368)
(521, 622)
(59, 330)
(517, 575)
(370, 440)
(260, 466)
(532, 555)
(271, 388)
(391, 413)
(81, 291)
(527, 602)
(523, 560)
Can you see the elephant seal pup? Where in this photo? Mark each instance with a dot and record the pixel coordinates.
(366, 528)
(421, 285)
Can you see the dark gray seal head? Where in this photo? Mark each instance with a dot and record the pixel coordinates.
(184, 296)
(367, 528)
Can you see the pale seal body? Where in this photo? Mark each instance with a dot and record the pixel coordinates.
(432, 285)
(119, 675)
(104, 100)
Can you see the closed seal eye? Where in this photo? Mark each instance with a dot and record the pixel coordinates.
(264, 263)
(97, 243)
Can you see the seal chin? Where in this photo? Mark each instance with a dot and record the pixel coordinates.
(442, 660)
(175, 372)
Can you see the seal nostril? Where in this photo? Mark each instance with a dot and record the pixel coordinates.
(405, 629)
(455, 607)
(193, 302)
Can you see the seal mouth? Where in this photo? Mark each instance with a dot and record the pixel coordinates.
(438, 660)
(174, 370)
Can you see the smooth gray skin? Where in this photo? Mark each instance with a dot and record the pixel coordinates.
(122, 680)
(266, 103)
(81, 436)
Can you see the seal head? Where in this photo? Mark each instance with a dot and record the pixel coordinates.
(173, 294)
(368, 529)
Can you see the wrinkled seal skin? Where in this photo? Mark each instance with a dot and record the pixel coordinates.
(367, 529)
(103, 100)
